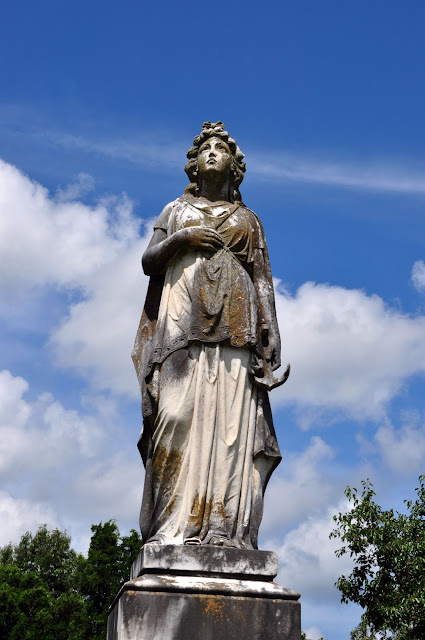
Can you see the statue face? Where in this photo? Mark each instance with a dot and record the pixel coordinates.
(214, 157)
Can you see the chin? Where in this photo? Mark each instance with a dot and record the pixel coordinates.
(215, 169)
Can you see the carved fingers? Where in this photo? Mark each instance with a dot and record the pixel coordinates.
(203, 238)
(272, 352)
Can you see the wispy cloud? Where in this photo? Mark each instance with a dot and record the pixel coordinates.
(356, 176)
(136, 151)
(146, 149)
(143, 148)
(418, 276)
(278, 168)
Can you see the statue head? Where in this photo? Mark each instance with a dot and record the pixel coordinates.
(215, 130)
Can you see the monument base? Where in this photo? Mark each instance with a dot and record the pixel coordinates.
(179, 605)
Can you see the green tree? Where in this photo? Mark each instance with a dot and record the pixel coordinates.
(362, 632)
(49, 591)
(388, 549)
(48, 554)
(37, 595)
(24, 602)
(107, 567)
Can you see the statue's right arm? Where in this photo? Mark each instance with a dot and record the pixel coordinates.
(163, 248)
(159, 252)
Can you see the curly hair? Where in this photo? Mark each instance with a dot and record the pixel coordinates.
(215, 130)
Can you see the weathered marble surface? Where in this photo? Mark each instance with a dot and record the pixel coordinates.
(180, 616)
(205, 352)
(188, 593)
(205, 560)
(208, 585)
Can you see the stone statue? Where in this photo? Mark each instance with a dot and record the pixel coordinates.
(206, 347)
(205, 352)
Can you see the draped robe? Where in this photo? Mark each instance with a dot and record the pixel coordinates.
(208, 442)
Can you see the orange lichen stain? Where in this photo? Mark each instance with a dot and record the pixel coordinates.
(214, 608)
(209, 514)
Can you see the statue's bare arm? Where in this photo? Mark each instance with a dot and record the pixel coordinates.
(163, 248)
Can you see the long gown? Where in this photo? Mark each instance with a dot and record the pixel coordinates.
(208, 441)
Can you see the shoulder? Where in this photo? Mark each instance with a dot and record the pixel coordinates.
(256, 226)
(163, 218)
(250, 214)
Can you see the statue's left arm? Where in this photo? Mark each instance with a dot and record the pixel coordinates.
(263, 283)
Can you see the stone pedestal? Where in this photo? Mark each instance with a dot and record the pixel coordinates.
(204, 593)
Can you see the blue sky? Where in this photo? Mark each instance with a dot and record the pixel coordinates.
(99, 102)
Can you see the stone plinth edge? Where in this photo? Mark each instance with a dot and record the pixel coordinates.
(205, 560)
(209, 586)
(142, 614)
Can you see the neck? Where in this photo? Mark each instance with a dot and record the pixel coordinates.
(215, 191)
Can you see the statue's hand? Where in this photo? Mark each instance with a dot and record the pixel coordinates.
(200, 238)
(272, 351)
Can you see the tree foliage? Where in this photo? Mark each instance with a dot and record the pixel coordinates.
(36, 589)
(106, 568)
(48, 554)
(362, 632)
(49, 591)
(388, 549)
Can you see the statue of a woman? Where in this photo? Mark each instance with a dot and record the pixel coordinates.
(207, 342)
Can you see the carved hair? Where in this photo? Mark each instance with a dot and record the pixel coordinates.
(215, 130)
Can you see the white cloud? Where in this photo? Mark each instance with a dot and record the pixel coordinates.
(61, 466)
(48, 241)
(403, 449)
(418, 275)
(95, 251)
(18, 516)
(97, 336)
(298, 518)
(307, 558)
(41, 435)
(113, 485)
(299, 486)
(12, 405)
(83, 184)
(313, 633)
(350, 353)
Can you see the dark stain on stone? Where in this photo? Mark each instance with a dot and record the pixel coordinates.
(166, 468)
